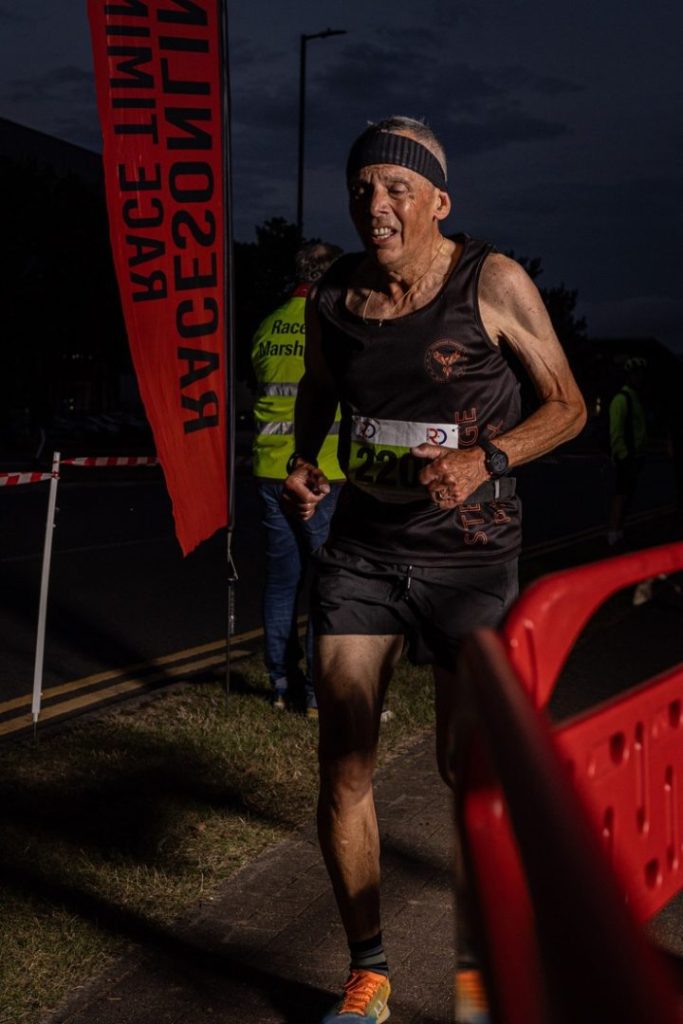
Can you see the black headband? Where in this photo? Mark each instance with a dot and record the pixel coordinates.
(379, 147)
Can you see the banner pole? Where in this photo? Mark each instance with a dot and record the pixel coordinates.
(229, 322)
(44, 583)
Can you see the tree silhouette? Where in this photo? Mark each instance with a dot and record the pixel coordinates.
(264, 277)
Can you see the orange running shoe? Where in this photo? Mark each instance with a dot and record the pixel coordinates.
(365, 1000)
(471, 1003)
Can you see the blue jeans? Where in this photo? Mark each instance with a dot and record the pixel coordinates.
(288, 546)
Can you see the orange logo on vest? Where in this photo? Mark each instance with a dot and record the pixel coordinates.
(444, 361)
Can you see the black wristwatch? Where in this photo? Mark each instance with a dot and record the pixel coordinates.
(294, 458)
(495, 460)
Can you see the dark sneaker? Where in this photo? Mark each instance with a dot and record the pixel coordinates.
(365, 1000)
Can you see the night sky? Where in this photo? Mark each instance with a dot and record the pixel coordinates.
(562, 123)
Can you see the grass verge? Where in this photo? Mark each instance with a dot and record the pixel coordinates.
(137, 815)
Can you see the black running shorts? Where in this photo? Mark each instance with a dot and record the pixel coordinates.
(432, 607)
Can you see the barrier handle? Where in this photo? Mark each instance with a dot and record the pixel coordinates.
(44, 583)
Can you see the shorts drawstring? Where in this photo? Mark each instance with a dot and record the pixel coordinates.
(405, 582)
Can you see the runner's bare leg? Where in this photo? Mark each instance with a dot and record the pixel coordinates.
(352, 676)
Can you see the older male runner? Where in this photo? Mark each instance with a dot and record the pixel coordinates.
(411, 337)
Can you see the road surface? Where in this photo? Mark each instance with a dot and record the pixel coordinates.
(126, 611)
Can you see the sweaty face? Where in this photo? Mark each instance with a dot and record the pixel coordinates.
(394, 212)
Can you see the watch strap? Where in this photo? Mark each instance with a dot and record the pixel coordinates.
(294, 458)
(494, 454)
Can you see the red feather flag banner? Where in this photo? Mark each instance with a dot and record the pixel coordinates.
(162, 101)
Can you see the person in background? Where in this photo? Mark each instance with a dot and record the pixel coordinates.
(628, 435)
(278, 362)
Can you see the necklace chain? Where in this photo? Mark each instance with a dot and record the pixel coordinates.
(405, 295)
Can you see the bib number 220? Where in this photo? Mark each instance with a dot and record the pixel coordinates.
(385, 467)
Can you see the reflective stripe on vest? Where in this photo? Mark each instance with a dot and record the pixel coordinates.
(379, 457)
(278, 390)
(274, 429)
(278, 359)
(284, 428)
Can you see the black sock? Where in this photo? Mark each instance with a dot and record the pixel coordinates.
(369, 955)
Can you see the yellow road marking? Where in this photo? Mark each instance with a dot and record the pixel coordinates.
(103, 677)
(127, 686)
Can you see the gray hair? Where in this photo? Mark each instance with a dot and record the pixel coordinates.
(313, 259)
(419, 130)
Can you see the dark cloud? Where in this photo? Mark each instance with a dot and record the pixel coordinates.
(65, 99)
(412, 66)
(405, 79)
(271, 111)
(524, 79)
(247, 54)
(603, 202)
(622, 226)
(81, 129)
(657, 315)
(13, 18)
(496, 129)
(611, 240)
(480, 109)
(66, 81)
(448, 13)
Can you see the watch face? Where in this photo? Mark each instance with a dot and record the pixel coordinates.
(498, 463)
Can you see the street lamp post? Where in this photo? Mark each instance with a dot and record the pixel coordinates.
(302, 119)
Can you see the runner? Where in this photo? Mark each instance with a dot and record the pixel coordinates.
(411, 337)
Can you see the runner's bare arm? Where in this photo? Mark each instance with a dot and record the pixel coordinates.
(513, 313)
(316, 405)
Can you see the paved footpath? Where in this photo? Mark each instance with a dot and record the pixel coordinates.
(269, 948)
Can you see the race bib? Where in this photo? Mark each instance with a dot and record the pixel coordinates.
(380, 461)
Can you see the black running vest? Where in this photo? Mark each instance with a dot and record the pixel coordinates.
(432, 375)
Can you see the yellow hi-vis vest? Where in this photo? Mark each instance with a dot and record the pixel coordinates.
(277, 356)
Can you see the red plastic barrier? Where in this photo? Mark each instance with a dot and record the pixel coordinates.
(503, 921)
(627, 754)
(627, 761)
(549, 616)
(591, 963)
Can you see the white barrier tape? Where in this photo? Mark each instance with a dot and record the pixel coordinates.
(112, 460)
(12, 479)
